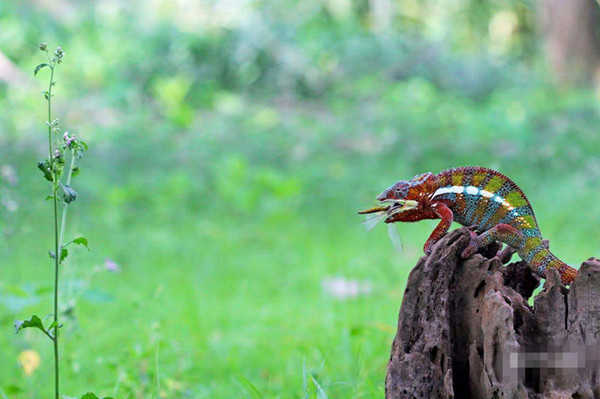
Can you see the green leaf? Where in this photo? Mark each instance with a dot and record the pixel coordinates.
(51, 326)
(49, 197)
(63, 254)
(45, 168)
(81, 241)
(34, 322)
(75, 171)
(37, 68)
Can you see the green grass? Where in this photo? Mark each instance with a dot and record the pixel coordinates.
(228, 304)
(217, 303)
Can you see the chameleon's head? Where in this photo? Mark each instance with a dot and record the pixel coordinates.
(404, 198)
(406, 189)
(397, 191)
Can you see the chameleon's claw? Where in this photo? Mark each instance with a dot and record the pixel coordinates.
(472, 247)
(427, 248)
(473, 227)
(505, 254)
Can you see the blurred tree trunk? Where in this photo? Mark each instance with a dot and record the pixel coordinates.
(571, 31)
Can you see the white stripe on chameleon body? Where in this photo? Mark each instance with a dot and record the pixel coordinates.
(472, 190)
(450, 189)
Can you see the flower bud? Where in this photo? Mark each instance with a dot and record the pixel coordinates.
(58, 157)
(69, 195)
(43, 46)
(68, 139)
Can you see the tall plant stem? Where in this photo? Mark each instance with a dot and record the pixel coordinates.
(56, 249)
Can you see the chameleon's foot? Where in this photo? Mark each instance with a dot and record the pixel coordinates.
(546, 244)
(472, 247)
(427, 248)
(506, 254)
(501, 232)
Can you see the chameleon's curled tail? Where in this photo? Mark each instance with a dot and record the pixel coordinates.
(567, 274)
(544, 260)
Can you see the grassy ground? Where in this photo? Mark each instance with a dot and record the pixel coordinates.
(202, 307)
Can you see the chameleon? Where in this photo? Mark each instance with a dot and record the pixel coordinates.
(485, 200)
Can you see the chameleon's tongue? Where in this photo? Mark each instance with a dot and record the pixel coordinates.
(395, 207)
(375, 209)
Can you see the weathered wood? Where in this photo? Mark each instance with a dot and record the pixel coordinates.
(466, 330)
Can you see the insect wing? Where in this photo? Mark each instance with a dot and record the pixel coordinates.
(395, 237)
(373, 219)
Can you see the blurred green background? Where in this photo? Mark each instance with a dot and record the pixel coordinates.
(231, 143)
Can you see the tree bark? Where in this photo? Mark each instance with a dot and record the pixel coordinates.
(466, 330)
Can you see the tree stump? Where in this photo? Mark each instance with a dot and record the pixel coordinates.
(466, 330)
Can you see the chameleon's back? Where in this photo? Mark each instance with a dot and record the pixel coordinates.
(485, 198)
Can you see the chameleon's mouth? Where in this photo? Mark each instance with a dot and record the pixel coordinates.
(393, 207)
